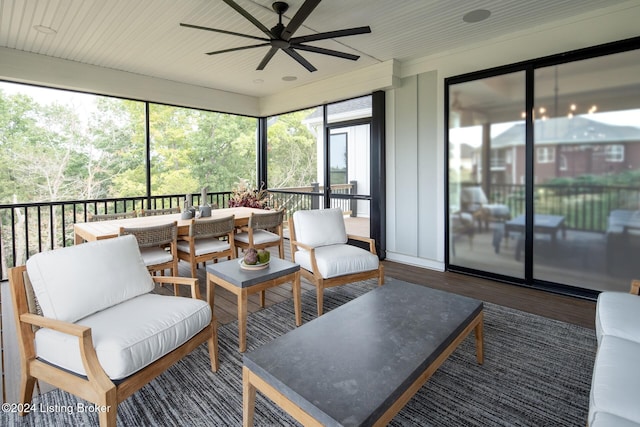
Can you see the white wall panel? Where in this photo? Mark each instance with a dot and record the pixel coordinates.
(406, 167)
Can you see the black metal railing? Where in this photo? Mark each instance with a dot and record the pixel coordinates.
(584, 207)
(29, 228)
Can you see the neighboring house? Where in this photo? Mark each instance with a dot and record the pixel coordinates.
(564, 147)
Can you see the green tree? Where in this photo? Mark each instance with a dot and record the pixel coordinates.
(292, 151)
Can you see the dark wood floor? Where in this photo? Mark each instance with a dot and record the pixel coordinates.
(564, 308)
(568, 309)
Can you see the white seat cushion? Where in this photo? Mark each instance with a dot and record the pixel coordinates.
(73, 282)
(320, 227)
(604, 419)
(259, 237)
(154, 256)
(205, 246)
(338, 260)
(130, 335)
(614, 385)
(618, 314)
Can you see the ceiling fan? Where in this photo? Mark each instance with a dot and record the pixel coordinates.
(280, 37)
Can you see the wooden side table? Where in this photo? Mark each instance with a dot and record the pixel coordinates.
(243, 283)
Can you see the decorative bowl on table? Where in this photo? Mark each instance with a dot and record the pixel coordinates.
(256, 266)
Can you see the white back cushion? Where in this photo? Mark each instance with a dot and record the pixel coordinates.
(320, 227)
(74, 282)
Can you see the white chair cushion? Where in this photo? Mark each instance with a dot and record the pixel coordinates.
(604, 419)
(338, 260)
(154, 256)
(130, 335)
(614, 384)
(320, 227)
(618, 314)
(74, 282)
(205, 246)
(259, 237)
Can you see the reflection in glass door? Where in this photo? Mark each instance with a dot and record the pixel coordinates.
(551, 198)
(587, 172)
(486, 175)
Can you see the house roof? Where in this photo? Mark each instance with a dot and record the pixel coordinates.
(563, 130)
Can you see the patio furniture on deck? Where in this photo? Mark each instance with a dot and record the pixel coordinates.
(208, 239)
(615, 378)
(88, 323)
(109, 217)
(623, 240)
(263, 231)
(153, 212)
(461, 224)
(359, 364)
(243, 282)
(90, 231)
(158, 247)
(542, 223)
(474, 201)
(318, 241)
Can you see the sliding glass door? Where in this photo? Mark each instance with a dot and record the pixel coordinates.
(544, 173)
(587, 172)
(486, 173)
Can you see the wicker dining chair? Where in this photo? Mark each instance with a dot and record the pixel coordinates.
(108, 217)
(208, 239)
(154, 212)
(158, 247)
(263, 231)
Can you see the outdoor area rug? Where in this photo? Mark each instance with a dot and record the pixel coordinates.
(537, 372)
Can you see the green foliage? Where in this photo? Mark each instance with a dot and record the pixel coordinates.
(292, 151)
(53, 151)
(60, 151)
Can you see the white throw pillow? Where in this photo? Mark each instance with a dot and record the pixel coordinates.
(74, 282)
(320, 227)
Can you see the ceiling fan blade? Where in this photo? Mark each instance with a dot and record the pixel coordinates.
(297, 20)
(331, 34)
(295, 55)
(324, 51)
(215, 30)
(249, 17)
(267, 58)
(233, 49)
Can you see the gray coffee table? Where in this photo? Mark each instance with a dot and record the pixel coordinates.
(242, 283)
(359, 364)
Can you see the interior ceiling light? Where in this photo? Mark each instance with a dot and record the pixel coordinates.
(476, 15)
(44, 29)
(289, 78)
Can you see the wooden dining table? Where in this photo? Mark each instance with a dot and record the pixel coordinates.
(91, 231)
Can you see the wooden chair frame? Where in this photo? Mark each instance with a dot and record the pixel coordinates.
(264, 221)
(153, 212)
(162, 236)
(96, 387)
(316, 278)
(109, 217)
(165, 235)
(206, 228)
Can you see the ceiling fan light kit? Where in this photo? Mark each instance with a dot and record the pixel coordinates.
(280, 37)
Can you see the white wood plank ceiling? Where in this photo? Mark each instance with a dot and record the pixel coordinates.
(144, 36)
